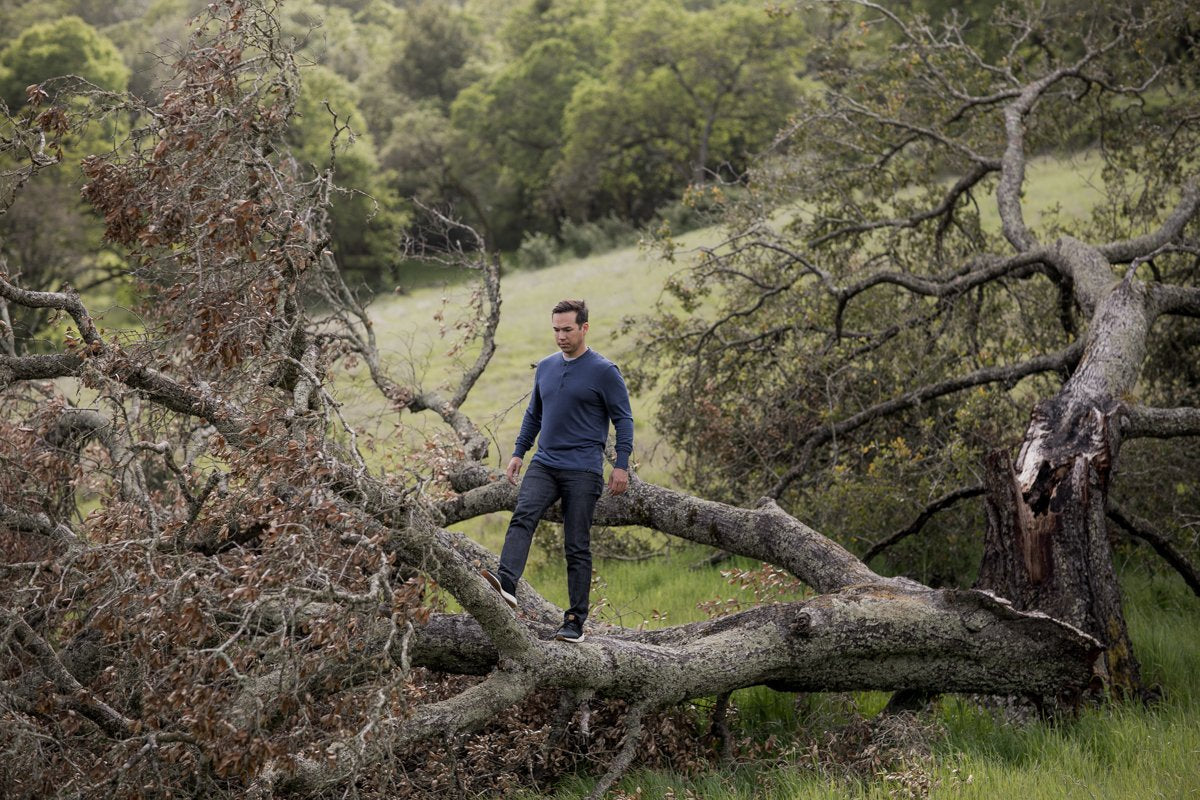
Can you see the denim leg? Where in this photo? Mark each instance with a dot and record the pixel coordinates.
(539, 490)
(580, 491)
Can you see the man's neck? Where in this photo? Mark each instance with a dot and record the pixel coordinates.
(580, 354)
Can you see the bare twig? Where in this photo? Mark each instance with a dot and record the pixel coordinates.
(941, 504)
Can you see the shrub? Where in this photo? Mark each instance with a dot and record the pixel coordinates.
(537, 250)
(597, 236)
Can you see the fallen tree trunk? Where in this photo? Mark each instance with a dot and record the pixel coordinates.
(954, 641)
(886, 634)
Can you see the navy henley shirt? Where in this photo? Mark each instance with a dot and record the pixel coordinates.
(571, 406)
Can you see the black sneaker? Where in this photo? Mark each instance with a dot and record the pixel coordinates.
(571, 630)
(495, 582)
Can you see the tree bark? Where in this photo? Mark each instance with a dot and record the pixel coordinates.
(1046, 547)
(1046, 541)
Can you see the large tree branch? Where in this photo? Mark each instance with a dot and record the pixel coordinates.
(952, 641)
(941, 504)
(1142, 422)
(1126, 250)
(766, 533)
(1183, 301)
(1012, 173)
(38, 367)
(1162, 545)
(1009, 374)
(37, 523)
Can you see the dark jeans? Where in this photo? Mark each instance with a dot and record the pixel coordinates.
(540, 489)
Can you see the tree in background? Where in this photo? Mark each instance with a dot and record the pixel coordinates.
(68, 46)
(438, 55)
(878, 347)
(688, 97)
(48, 230)
(591, 110)
(511, 123)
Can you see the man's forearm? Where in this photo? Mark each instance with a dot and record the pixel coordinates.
(624, 446)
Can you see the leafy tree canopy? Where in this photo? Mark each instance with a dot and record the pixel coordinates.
(68, 46)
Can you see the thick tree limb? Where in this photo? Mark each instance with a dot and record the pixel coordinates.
(1183, 301)
(766, 533)
(1162, 544)
(959, 641)
(1012, 173)
(1127, 250)
(171, 394)
(38, 367)
(1143, 422)
(37, 523)
(843, 640)
(532, 604)
(75, 695)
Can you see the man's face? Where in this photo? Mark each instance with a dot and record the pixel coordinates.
(568, 334)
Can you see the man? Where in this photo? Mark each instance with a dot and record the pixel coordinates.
(576, 393)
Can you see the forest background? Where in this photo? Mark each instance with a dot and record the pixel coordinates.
(541, 124)
(562, 130)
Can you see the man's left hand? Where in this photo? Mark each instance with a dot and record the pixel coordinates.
(618, 482)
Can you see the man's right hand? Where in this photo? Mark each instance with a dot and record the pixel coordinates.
(514, 469)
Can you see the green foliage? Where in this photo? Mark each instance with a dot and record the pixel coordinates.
(48, 237)
(436, 59)
(68, 46)
(604, 109)
(519, 115)
(329, 35)
(140, 39)
(537, 250)
(688, 96)
(513, 121)
(17, 15)
(581, 25)
(598, 236)
(523, 114)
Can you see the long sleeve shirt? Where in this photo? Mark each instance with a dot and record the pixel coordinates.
(569, 412)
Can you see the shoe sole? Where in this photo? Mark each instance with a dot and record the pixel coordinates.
(495, 582)
(580, 638)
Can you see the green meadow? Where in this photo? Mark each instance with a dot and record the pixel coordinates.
(965, 749)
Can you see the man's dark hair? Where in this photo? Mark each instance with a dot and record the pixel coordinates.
(578, 306)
